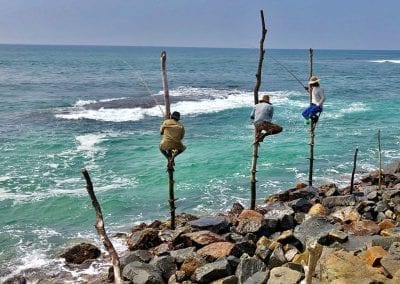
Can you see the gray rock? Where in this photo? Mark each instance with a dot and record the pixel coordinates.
(388, 194)
(212, 271)
(384, 242)
(142, 273)
(314, 228)
(253, 226)
(260, 277)
(300, 205)
(142, 240)
(181, 254)
(341, 200)
(165, 264)
(394, 248)
(279, 217)
(277, 258)
(358, 243)
(248, 266)
(381, 206)
(217, 224)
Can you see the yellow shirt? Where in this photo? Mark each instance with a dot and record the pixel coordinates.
(173, 133)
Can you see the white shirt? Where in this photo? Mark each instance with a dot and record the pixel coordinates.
(317, 96)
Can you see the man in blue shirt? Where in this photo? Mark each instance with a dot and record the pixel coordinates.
(262, 114)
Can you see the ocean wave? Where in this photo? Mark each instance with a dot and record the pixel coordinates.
(355, 107)
(188, 101)
(395, 61)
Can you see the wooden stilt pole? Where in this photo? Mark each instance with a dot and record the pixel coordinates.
(354, 171)
(312, 128)
(101, 231)
(380, 161)
(170, 169)
(253, 170)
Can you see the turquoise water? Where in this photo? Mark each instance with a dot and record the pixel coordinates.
(64, 108)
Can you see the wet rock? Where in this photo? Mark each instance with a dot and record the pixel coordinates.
(81, 253)
(284, 275)
(216, 224)
(248, 266)
(212, 271)
(145, 239)
(142, 273)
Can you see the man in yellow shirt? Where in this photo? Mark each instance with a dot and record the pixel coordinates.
(172, 132)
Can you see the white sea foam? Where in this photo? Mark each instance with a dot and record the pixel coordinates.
(206, 100)
(395, 61)
(87, 142)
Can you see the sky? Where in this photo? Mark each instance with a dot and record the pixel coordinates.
(291, 24)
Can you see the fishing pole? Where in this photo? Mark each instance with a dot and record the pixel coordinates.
(290, 72)
(145, 85)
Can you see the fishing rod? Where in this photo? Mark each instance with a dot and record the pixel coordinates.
(290, 72)
(145, 85)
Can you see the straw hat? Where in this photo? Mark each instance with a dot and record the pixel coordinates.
(313, 80)
(265, 99)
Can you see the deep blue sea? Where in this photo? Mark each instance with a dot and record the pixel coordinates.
(64, 108)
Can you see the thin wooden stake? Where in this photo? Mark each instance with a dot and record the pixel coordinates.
(312, 127)
(354, 170)
(101, 230)
(253, 170)
(167, 116)
(380, 160)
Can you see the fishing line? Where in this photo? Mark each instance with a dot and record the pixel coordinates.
(145, 85)
(290, 72)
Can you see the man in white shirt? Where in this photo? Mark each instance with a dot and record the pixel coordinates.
(317, 101)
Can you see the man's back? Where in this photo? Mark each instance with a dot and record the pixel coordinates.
(262, 112)
(173, 133)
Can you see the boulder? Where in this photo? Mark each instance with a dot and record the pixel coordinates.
(260, 277)
(341, 200)
(216, 250)
(201, 238)
(182, 254)
(348, 268)
(284, 275)
(142, 273)
(362, 228)
(248, 266)
(314, 228)
(81, 253)
(144, 239)
(212, 271)
(165, 264)
(374, 255)
(216, 224)
(191, 263)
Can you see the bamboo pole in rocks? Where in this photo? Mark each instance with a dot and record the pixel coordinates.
(354, 170)
(253, 170)
(101, 231)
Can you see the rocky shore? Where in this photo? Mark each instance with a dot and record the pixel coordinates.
(302, 235)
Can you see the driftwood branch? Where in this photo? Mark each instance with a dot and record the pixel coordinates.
(315, 249)
(253, 170)
(101, 230)
(165, 85)
(261, 58)
(353, 171)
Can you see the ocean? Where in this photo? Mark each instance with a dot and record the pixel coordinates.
(65, 108)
